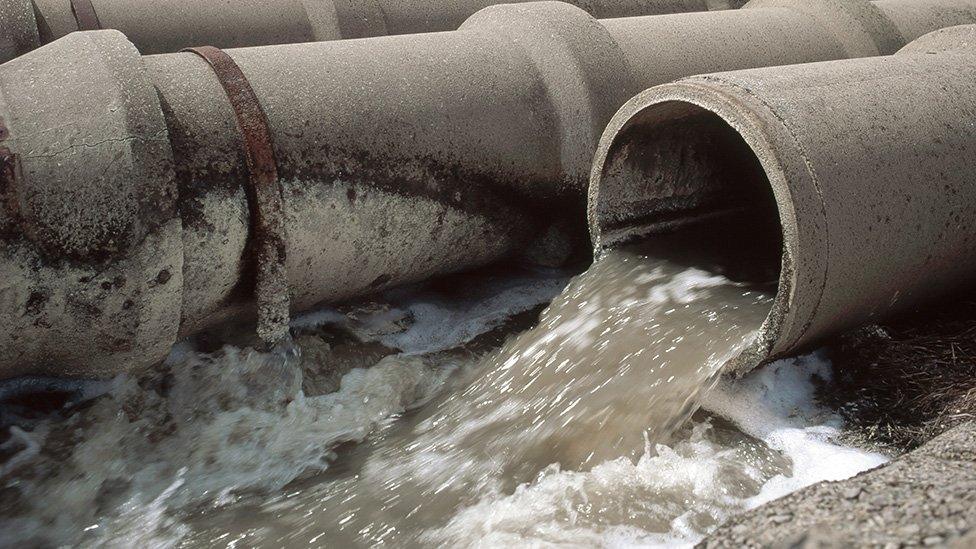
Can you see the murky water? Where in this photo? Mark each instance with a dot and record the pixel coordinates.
(580, 431)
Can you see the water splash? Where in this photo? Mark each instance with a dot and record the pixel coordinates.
(232, 421)
(622, 353)
(676, 493)
(620, 357)
(575, 432)
(206, 429)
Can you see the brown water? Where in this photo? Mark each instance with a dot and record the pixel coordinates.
(577, 432)
(617, 360)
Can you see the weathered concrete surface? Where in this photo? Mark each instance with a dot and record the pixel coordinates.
(912, 18)
(169, 26)
(18, 29)
(925, 498)
(400, 157)
(92, 260)
(865, 164)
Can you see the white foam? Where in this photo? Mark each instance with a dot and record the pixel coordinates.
(235, 421)
(238, 421)
(425, 321)
(776, 404)
(688, 487)
(232, 422)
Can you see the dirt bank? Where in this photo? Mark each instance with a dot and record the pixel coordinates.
(901, 384)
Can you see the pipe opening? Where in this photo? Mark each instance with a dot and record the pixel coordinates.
(683, 182)
(679, 176)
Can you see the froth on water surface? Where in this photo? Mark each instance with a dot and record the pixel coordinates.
(619, 356)
(615, 365)
(582, 430)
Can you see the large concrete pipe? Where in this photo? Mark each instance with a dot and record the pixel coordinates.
(156, 26)
(864, 169)
(136, 211)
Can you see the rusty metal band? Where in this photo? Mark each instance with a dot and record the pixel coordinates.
(267, 238)
(85, 15)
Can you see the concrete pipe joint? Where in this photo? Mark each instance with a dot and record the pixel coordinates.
(863, 169)
(141, 203)
(168, 26)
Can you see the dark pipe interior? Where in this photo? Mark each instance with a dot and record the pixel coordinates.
(679, 177)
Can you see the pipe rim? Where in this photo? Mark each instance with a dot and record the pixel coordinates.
(778, 154)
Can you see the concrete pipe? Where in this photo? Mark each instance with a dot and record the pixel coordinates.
(863, 169)
(169, 26)
(136, 211)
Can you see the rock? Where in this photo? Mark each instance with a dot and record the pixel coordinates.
(815, 538)
(780, 519)
(910, 530)
(968, 541)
